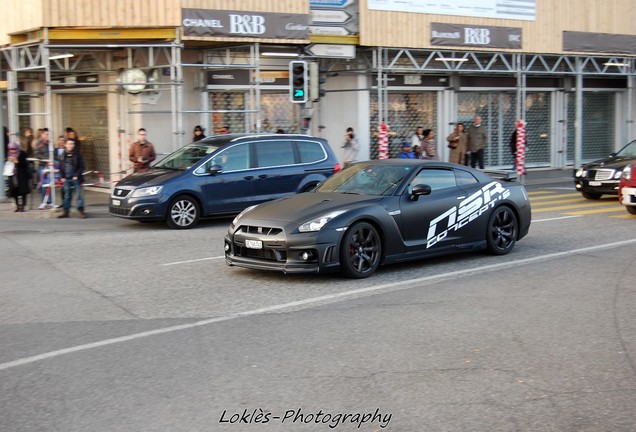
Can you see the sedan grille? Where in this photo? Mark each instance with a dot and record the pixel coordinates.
(260, 230)
(120, 193)
(602, 174)
(264, 254)
(118, 210)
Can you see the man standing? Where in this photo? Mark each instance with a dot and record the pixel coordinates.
(477, 140)
(71, 169)
(142, 152)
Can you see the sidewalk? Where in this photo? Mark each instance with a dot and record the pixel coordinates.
(95, 205)
(96, 198)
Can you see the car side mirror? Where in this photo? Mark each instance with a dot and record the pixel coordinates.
(215, 169)
(420, 189)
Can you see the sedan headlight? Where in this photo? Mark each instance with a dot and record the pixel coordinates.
(319, 222)
(147, 191)
(627, 172)
(618, 174)
(580, 172)
(238, 216)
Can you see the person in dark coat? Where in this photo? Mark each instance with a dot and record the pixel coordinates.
(71, 174)
(20, 182)
(198, 133)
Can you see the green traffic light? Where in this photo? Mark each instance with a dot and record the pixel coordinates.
(299, 93)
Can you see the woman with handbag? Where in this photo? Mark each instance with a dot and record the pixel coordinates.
(457, 142)
(19, 183)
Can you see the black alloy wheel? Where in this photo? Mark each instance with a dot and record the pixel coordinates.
(360, 251)
(502, 231)
(183, 212)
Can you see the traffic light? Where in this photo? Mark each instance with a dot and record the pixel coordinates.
(298, 81)
(316, 79)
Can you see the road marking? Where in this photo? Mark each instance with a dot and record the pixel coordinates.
(574, 206)
(309, 302)
(193, 260)
(615, 208)
(553, 219)
(554, 200)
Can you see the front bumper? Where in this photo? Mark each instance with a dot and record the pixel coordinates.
(147, 208)
(607, 187)
(295, 253)
(628, 196)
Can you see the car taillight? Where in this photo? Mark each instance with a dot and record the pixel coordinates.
(336, 168)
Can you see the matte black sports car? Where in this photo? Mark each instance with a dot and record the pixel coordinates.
(380, 212)
(601, 177)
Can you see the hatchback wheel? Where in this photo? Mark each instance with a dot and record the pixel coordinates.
(360, 251)
(183, 212)
(502, 231)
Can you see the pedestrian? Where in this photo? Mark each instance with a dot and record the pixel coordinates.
(405, 151)
(350, 146)
(418, 136)
(477, 140)
(417, 152)
(71, 169)
(198, 133)
(45, 185)
(457, 145)
(142, 152)
(429, 147)
(72, 135)
(60, 145)
(26, 141)
(6, 142)
(41, 151)
(224, 130)
(19, 182)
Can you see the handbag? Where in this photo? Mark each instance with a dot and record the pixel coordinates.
(9, 169)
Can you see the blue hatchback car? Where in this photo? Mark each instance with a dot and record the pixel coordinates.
(223, 175)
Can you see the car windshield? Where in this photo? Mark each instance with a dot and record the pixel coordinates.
(366, 179)
(629, 151)
(186, 156)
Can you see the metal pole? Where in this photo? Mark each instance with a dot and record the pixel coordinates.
(578, 117)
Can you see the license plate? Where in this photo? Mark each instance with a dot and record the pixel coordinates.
(595, 183)
(254, 244)
(116, 202)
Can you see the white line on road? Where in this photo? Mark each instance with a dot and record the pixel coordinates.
(553, 219)
(309, 302)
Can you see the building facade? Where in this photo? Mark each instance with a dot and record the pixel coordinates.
(566, 67)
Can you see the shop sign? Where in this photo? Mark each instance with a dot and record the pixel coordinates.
(475, 36)
(233, 78)
(599, 42)
(262, 25)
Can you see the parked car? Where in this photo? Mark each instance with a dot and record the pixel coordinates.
(601, 177)
(223, 175)
(627, 189)
(380, 212)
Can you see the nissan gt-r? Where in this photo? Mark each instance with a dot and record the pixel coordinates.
(381, 212)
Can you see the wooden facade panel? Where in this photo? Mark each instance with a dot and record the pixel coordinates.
(18, 16)
(289, 6)
(544, 35)
(111, 13)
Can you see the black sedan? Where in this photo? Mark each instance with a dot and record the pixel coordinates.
(380, 212)
(602, 177)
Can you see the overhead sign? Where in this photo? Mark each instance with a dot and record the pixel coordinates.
(329, 30)
(331, 3)
(329, 16)
(223, 23)
(475, 36)
(331, 50)
(599, 42)
(508, 9)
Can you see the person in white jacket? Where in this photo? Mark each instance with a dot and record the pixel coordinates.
(351, 146)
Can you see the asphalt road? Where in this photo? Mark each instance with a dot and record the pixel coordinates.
(109, 325)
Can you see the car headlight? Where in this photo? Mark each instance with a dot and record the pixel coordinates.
(618, 174)
(580, 172)
(319, 222)
(627, 172)
(147, 191)
(238, 216)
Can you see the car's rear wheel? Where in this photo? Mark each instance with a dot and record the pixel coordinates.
(360, 251)
(502, 231)
(591, 195)
(631, 210)
(183, 212)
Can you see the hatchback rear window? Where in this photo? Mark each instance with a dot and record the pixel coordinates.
(310, 152)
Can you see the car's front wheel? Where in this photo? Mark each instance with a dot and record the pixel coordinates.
(502, 231)
(631, 210)
(360, 251)
(183, 212)
(591, 195)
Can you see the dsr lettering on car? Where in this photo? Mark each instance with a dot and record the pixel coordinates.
(469, 209)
